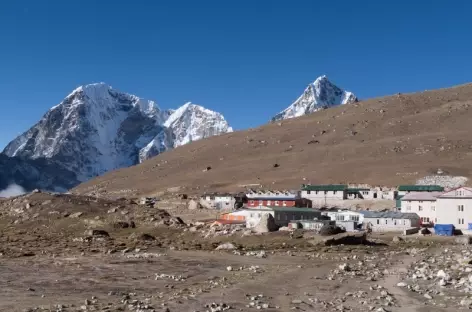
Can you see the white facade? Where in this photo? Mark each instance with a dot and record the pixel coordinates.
(375, 193)
(423, 204)
(346, 215)
(271, 194)
(323, 197)
(391, 224)
(218, 201)
(455, 207)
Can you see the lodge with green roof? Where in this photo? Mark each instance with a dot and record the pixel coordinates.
(322, 194)
(405, 189)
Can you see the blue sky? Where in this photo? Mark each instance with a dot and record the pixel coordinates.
(246, 59)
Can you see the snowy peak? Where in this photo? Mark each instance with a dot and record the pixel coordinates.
(193, 122)
(320, 94)
(96, 129)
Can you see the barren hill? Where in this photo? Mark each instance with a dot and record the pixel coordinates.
(383, 141)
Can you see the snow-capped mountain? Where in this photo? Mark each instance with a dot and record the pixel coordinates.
(193, 122)
(318, 95)
(96, 129)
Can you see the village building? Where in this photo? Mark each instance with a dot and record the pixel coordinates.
(323, 194)
(282, 215)
(223, 201)
(406, 189)
(371, 193)
(312, 225)
(277, 199)
(390, 221)
(455, 207)
(423, 204)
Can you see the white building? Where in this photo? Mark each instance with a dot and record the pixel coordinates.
(219, 201)
(322, 194)
(390, 221)
(371, 193)
(423, 204)
(347, 215)
(406, 189)
(455, 207)
(254, 194)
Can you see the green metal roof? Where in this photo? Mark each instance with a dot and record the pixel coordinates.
(355, 190)
(329, 187)
(421, 188)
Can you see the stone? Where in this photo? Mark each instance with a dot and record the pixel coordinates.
(297, 301)
(463, 240)
(99, 233)
(397, 239)
(229, 268)
(344, 267)
(226, 246)
(401, 284)
(266, 224)
(466, 302)
(76, 214)
(427, 296)
(193, 205)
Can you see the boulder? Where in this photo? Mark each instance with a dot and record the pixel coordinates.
(397, 239)
(76, 215)
(329, 229)
(463, 240)
(97, 233)
(226, 246)
(266, 224)
(193, 205)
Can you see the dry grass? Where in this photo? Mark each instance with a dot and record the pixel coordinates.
(384, 141)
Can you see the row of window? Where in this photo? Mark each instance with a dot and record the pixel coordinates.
(325, 192)
(420, 208)
(394, 221)
(276, 202)
(348, 218)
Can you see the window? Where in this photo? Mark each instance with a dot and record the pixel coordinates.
(420, 208)
(378, 221)
(386, 221)
(326, 192)
(261, 202)
(251, 215)
(316, 192)
(276, 202)
(334, 192)
(461, 221)
(424, 219)
(421, 201)
(284, 203)
(404, 222)
(394, 222)
(251, 202)
(460, 208)
(308, 192)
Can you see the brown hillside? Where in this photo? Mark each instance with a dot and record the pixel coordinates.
(384, 141)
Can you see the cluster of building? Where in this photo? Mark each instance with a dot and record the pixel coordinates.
(412, 206)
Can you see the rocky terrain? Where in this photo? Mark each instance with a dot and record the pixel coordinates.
(386, 141)
(78, 253)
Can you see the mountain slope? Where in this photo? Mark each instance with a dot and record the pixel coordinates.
(318, 95)
(96, 129)
(385, 141)
(32, 174)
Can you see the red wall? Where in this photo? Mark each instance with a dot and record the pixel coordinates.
(280, 203)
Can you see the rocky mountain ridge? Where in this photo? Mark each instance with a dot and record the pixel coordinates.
(96, 129)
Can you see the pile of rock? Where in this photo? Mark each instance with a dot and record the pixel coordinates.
(444, 279)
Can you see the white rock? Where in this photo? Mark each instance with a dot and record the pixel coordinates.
(229, 268)
(226, 246)
(401, 284)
